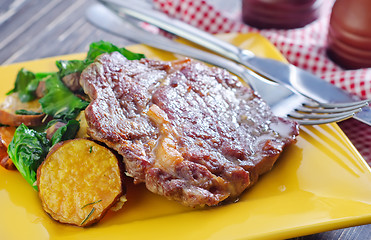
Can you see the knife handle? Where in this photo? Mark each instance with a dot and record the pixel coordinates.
(130, 7)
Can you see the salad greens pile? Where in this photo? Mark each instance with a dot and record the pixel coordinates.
(29, 147)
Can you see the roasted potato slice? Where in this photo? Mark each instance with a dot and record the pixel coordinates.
(83, 130)
(79, 181)
(11, 104)
(6, 136)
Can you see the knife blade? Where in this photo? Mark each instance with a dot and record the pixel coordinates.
(287, 74)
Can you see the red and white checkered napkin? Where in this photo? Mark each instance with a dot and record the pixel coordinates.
(303, 47)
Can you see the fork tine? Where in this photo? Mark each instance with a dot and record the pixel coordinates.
(323, 121)
(361, 103)
(298, 115)
(305, 109)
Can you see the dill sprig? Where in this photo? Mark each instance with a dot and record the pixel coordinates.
(88, 204)
(87, 217)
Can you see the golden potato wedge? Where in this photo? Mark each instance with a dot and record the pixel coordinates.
(6, 136)
(79, 181)
(11, 104)
(83, 130)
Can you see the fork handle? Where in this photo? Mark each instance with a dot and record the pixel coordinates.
(179, 28)
(122, 26)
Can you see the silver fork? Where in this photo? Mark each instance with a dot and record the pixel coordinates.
(283, 101)
(320, 113)
(288, 103)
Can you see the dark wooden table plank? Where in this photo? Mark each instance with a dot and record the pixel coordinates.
(44, 28)
(32, 29)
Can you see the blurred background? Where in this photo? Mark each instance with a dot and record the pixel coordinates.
(30, 28)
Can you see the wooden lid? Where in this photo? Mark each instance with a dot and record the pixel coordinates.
(282, 14)
(349, 36)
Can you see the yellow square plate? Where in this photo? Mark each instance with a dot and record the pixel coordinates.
(319, 184)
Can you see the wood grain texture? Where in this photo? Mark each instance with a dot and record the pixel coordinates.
(43, 28)
(32, 29)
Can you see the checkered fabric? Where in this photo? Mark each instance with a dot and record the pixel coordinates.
(304, 47)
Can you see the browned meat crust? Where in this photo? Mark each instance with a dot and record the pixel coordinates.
(192, 133)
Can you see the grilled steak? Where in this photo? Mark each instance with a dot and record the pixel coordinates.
(192, 133)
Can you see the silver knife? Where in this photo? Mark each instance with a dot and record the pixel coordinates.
(287, 74)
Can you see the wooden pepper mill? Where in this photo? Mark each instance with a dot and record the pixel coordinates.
(280, 14)
(349, 35)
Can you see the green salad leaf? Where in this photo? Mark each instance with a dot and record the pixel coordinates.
(66, 132)
(68, 67)
(95, 49)
(27, 151)
(59, 101)
(27, 112)
(25, 84)
(29, 148)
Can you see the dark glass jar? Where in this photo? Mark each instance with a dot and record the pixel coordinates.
(349, 35)
(280, 14)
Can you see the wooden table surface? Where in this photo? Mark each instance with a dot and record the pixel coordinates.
(32, 29)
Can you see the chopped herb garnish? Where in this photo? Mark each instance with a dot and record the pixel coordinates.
(91, 149)
(87, 217)
(27, 112)
(91, 203)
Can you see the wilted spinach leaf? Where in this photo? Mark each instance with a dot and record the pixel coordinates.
(27, 151)
(67, 67)
(25, 84)
(29, 148)
(59, 101)
(66, 132)
(27, 112)
(95, 49)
